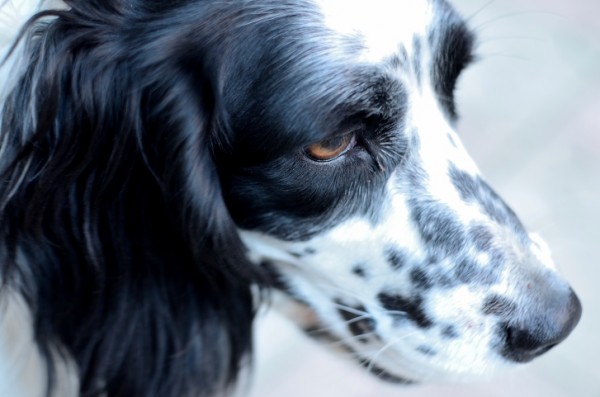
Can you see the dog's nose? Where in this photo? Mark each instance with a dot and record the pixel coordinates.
(552, 321)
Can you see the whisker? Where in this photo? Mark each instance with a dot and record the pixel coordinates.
(479, 28)
(480, 10)
(371, 360)
(489, 55)
(354, 338)
(361, 299)
(350, 309)
(501, 38)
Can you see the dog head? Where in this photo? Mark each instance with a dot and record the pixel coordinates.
(370, 215)
(160, 158)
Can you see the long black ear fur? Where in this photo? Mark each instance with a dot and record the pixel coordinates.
(112, 223)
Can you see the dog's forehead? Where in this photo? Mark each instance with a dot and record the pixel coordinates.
(382, 26)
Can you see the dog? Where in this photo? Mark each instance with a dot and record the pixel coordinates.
(169, 166)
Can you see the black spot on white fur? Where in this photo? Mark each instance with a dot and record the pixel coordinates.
(360, 270)
(450, 332)
(305, 252)
(482, 237)
(395, 257)
(427, 350)
(476, 190)
(359, 322)
(470, 272)
(417, 59)
(498, 306)
(420, 279)
(410, 308)
(438, 226)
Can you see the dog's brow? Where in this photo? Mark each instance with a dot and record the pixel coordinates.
(376, 93)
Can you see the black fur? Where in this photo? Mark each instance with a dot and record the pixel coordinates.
(401, 307)
(141, 135)
(455, 44)
(112, 219)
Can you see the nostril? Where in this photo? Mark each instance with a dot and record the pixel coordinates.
(527, 339)
(523, 346)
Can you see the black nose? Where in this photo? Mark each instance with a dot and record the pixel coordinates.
(527, 338)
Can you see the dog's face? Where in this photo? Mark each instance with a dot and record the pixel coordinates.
(142, 139)
(351, 187)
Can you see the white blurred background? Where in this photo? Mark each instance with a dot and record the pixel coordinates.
(531, 119)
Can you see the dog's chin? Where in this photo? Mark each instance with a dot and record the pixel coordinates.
(393, 365)
(392, 359)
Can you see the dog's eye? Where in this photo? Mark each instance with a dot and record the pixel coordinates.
(331, 148)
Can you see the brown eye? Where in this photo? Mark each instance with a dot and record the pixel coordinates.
(331, 148)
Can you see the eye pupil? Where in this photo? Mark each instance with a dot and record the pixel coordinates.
(330, 148)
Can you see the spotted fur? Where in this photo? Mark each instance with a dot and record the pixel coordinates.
(156, 177)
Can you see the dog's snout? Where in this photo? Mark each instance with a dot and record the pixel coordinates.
(527, 337)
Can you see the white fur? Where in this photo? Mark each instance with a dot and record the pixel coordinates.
(381, 25)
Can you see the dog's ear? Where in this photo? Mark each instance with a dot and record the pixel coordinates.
(112, 219)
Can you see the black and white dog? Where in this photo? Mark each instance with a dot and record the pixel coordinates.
(164, 165)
